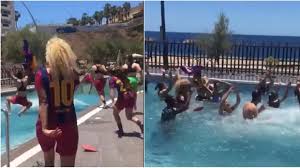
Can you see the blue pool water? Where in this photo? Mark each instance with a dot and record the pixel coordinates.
(206, 139)
(22, 128)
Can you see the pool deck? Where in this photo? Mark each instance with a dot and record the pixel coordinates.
(99, 131)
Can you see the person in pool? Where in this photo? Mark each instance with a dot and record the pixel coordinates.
(250, 109)
(274, 100)
(56, 126)
(178, 103)
(211, 90)
(225, 107)
(297, 91)
(263, 86)
(125, 99)
(21, 96)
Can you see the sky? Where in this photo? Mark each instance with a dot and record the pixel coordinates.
(57, 12)
(254, 18)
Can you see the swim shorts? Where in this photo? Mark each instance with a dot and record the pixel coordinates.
(126, 100)
(20, 100)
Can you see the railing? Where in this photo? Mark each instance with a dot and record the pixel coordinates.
(244, 57)
(6, 79)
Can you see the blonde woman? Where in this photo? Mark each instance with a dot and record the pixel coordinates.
(55, 85)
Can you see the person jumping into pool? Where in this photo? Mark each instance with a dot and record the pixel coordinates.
(55, 84)
(225, 107)
(274, 100)
(126, 99)
(250, 109)
(21, 96)
(29, 63)
(297, 91)
(263, 86)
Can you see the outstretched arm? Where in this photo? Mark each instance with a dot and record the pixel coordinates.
(224, 98)
(226, 86)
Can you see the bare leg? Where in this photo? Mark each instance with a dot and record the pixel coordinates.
(67, 161)
(49, 158)
(130, 116)
(25, 108)
(102, 100)
(118, 120)
(8, 100)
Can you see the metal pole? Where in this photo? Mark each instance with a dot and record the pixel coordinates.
(36, 27)
(7, 138)
(163, 35)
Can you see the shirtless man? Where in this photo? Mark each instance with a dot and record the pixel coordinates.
(250, 109)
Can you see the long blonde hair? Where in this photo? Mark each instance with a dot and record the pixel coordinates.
(60, 58)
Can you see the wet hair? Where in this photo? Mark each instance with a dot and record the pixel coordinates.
(256, 96)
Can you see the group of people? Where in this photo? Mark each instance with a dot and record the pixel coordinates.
(56, 82)
(216, 91)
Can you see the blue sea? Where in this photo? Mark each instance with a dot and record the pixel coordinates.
(180, 37)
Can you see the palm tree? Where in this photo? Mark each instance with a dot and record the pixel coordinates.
(17, 16)
(101, 16)
(96, 16)
(84, 19)
(119, 13)
(107, 12)
(114, 12)
(127, 7)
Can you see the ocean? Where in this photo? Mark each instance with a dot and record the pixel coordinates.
(180, 37)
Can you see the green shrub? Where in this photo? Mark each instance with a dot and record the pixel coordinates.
(106, 50)
(12, 45)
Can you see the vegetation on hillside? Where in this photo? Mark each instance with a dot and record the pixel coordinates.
(107, 49)
(109, 13)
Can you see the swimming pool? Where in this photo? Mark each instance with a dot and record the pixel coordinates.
(206, 139)
(22, 128)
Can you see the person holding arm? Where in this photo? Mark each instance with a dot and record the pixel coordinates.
(225, 107)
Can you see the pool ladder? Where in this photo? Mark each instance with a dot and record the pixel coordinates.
(6, 114)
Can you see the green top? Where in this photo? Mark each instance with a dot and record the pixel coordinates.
(133, 83)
